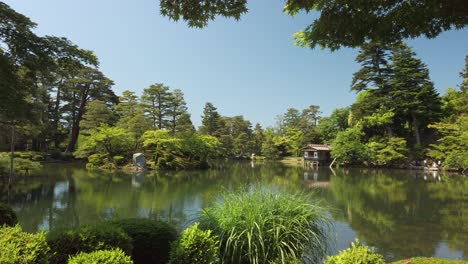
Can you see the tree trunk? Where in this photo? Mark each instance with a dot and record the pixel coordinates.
(12, 157)
(416, 129)
(55, 123)
(160, 113)
(76, 124)
(390, 131)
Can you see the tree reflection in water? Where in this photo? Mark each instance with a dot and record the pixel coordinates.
(402, 213)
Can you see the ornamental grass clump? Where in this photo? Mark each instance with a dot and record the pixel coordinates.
(263, 226)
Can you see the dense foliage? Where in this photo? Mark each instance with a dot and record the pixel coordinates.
(261, 226)
(115, 256)
(19, 247)
(452, 146)
(56, 100)
(356, 254)
(7, 216)
(423, 260)
(195, 246)
(180, 152)
(87, 238)
(341, 23)
(21, 165)
(151, 239)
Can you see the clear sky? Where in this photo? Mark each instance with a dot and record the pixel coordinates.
(249, 68)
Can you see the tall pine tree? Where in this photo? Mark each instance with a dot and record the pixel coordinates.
(155, 101)
(412, 91)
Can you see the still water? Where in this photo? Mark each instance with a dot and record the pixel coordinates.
(401, 213)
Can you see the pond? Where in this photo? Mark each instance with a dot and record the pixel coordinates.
(402, 213)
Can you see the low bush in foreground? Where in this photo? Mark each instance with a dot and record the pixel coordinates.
(426, 260)
(195, 246)
(356, 254)
(17, 247)
(151, 239)
(7, 216)
(66, 243)
(267, 227)
(116, 256)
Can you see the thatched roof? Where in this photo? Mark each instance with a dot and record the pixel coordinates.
(316, 147)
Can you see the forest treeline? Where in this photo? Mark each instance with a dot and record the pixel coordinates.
(54, 99)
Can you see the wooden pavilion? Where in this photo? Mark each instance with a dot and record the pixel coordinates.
(316, 154)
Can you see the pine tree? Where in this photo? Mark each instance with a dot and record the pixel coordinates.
(155, 101)
(96, 114)
(211, 120)
(464, 75)
(412, 91)
(373, 78)
(258, 138)
(375, 68)
(176, 108)
(132, 116)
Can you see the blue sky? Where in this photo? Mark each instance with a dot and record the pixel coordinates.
(249, 68)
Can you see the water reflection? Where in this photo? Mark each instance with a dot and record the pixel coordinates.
(402, 213)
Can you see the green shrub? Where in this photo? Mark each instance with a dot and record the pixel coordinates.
(21, 166)
(356, 254)
(151, 239)
(38, 157)
(7, 216)
(24, 155)
(426, 260)
(119, 160)
(96, 159)
(195, 246)
(17, 247)
(261, 226)
(65, 243)
(115, 256)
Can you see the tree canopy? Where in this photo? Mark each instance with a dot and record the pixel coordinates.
(341, 23)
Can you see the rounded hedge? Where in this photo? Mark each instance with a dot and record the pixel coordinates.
(357, 253)
(195, 246)
(7, 216)
(151, 239)
(17, 247)
(115, 256)
(69, 242)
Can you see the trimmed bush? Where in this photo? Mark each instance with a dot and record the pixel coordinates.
(357, 253)
(17, 247)
(115, 256)
(151, 239)
(426, 260)
(262, 226)
(119, 160)
(38, 157)
(96, 159)
(195, 246)
(7, 216)
(24, 155)
(65, 243)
